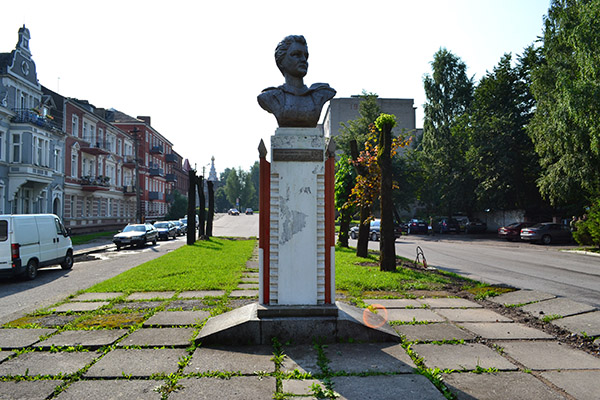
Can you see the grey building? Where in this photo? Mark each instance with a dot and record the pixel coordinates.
(31, 142)
(345, 109)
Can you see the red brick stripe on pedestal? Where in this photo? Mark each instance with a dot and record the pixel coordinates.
(264, 205)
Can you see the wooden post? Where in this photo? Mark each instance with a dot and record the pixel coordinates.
(191, 211)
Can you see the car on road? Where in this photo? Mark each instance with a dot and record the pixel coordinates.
(136, 235)
(166, 230)
(546, 233)
(463, 221)
(374, 230)
(249, 211)
(233, 211)
(181, 227)
(416, 226)
(447, 225)
(512, 231)
(184, 221)
(475, 225)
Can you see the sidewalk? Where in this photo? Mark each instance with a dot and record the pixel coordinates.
(468, 349)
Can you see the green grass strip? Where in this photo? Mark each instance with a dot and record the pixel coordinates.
(214, 264)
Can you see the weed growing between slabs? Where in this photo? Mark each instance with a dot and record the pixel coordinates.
(207, 265)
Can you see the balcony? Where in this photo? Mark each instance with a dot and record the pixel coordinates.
(156, 150)
(156, 172)
(28, 116)
(95, 147)
(171, 158)
(171, 178)
(129, 190)
(155, 196)
(129, 161)
(95, 183)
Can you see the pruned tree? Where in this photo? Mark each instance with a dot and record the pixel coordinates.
(387, 243)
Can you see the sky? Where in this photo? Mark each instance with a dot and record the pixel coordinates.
(196, 67)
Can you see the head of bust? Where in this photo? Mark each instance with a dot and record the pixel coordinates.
(291, 56)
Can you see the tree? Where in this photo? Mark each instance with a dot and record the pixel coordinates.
(501, 154)
(255, 179)
(345, 176)
(201, 206)
(387, 246)
(449, 93)
(233, 187)
(221, 202)
(211, 208)
(248, 195)
(178, 206)
(566, 125)
(358, 129)
(191, 213)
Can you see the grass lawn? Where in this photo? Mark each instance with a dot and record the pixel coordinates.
(215, 264)
(357, 275)
(88, 237)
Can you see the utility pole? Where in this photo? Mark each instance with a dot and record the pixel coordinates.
(138, 193)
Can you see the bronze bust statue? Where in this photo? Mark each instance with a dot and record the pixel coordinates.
(294, 104)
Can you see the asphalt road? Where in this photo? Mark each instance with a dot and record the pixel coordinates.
(550, 269)
(18, 297)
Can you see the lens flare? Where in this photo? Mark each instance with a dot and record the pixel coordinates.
(375, 316)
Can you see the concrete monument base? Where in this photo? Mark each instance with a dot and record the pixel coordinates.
(258, 324)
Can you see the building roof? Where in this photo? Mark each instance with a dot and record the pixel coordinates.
(5, 60)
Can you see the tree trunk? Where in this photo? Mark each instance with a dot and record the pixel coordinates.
(211, 208)
(362, 246)
(345, 217)
(201, 207)
(191, 211)
(387, 241)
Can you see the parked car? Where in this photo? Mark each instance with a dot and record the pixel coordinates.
(136, 235)
(416, 226)
(32, 241)
(233, 211)
(374, 230)
(546, 233)
(166, 230)
(181, 227)
(475, 225)
(184, 221)
(249, 211)
(447, 225)
(463, 221)
(513, 231)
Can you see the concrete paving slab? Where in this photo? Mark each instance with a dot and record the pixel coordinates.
(79, 306)
(521, 297)
(244, 293)
(559, 306)
(245, 359)
(156, 337)
(410, 386)
(300, 387)
(395, 303)
(186, 305)
(45, 363)
(499, 385)
(97, 296)
(199, 294)
(19, 338)
(137, 363)
(46, 321)
(433, 332)
(174, 318)
(301, 357)
(449, 302)
(113, 389)
(504, 330)
(88, 339)
(588, 323)
(368, 357)
(123, 320)
(582, 385)
(137, 305)
(462, 357)
(28, 390)
(251, 274)
(235, 388)
(5, 354)
(472, 315)
(247, 286)
(249, 279)
(241, 302)
(547, 355)
(410, 315)
(150, 295)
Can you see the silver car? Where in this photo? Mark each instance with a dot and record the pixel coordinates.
(546, 233)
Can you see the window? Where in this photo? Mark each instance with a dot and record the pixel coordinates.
(2, 146)
(119, 147)
(57, 161)
(16, 148)
(85, 131)
(3, 230)
(93, 139)
(74, 159)
(75, 126)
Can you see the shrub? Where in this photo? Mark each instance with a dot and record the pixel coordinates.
(587, 231)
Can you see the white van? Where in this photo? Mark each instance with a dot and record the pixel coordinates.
(32, 241)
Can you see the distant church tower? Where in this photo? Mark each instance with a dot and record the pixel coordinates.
(212, 175)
